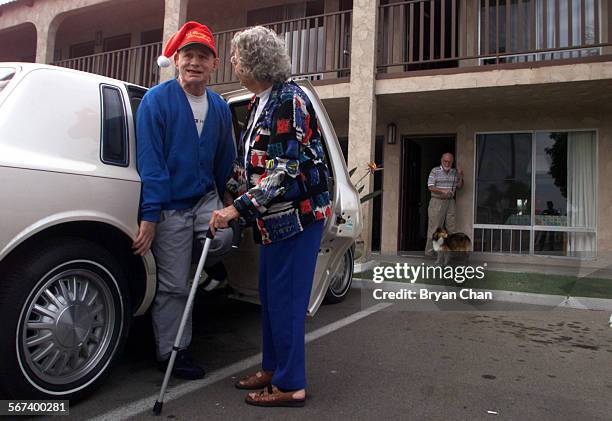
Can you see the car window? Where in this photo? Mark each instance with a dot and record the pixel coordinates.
(114, 148)
(135, 95)
(6, 74)
(239, 111)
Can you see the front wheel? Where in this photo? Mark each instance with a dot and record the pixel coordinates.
(341, 280)
(66, 310)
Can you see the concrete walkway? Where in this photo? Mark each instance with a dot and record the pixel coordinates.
(597, 268)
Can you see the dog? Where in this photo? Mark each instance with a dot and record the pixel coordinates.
(445, 245)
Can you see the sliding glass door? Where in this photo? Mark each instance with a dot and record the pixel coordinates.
(528, 30)
(536, 193)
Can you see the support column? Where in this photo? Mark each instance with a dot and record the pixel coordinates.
(606, 27)
(362, 105)
(391, 191)
(468, 23)
(331, 34)
(46, 32)
(175, 15)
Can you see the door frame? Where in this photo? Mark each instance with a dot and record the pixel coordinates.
(403, 138)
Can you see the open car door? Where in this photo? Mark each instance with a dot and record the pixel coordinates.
(341, 229)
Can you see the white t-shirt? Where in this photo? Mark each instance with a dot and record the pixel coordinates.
(199, 106)
(248, 142)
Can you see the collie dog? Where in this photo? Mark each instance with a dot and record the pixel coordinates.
(445, 245)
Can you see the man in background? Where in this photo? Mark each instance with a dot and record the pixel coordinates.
(443, 183)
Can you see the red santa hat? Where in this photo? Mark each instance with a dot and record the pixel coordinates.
(190, 33)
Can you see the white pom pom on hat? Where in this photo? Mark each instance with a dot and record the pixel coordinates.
(163, 61)
(190, 33)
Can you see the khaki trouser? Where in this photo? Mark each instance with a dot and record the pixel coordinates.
(441, 214)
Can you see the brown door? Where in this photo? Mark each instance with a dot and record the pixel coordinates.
(419, 155)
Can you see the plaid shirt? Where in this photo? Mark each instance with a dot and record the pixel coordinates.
(440, 179)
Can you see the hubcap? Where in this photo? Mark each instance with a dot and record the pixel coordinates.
(342, 277)
(68, 326)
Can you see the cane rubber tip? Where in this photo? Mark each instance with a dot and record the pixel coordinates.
(157, 409)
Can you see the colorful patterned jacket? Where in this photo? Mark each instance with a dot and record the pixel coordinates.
(284, 186)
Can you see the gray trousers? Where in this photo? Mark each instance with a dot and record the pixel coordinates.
(441, 213)
(172, 246)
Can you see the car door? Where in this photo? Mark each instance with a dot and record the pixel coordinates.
(341, 229)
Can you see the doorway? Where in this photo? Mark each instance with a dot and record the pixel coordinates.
(419, 155)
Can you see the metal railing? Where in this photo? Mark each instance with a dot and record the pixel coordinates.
(531, 239)
(136, 65)
(430, 34)
(412, 35)
(318, 46)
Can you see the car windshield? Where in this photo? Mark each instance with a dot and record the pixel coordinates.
(6, 74)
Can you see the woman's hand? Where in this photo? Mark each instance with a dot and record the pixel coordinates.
(220, 218)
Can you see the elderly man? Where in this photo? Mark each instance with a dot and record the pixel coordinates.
(185, 155)
(443, 182)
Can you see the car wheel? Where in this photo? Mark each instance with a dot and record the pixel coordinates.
(341, 280)
(66, 311)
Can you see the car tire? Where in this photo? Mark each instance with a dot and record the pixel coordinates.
(341, 281)
(66, 311)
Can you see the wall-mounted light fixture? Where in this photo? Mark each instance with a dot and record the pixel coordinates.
(391, 134)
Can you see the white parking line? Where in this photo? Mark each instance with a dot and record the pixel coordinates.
(146, 404)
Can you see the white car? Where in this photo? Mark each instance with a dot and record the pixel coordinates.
(69, 283)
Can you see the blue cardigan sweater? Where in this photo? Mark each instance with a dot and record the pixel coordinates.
(177, 167)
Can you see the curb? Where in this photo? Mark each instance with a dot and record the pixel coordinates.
(582, 303)
(363, 267)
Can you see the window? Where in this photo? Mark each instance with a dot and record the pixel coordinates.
(82, 49)
(503, 179)
(149, 37)
(6, 74)
(119, 42)
(114, 149)
(135, 95)
(519, 26)
(535, 193)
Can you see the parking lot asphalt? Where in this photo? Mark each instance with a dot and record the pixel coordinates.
(497, 362)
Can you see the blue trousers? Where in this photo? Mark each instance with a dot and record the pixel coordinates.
(286, 271)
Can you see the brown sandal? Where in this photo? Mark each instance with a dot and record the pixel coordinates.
(255, 381)
(272, 396)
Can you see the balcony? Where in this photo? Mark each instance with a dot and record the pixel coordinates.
(437, 34)
(136, 65)
(319, 47)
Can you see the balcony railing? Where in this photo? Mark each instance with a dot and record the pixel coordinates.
(430, 34)
(412, 35)
(318, 46)
(137, 65)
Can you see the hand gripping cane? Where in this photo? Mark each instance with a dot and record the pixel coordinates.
(157, 408)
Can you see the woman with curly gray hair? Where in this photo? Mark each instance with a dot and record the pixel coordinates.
(280, 186)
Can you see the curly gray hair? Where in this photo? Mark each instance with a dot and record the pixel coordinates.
(262, 54)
